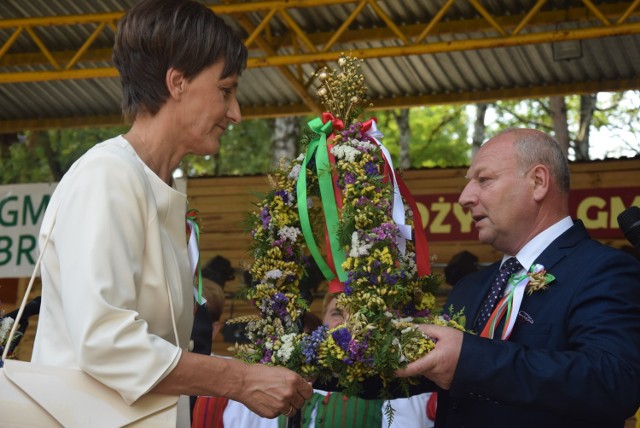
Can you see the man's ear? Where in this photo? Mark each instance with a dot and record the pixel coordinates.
(175, 82)
(541, 179)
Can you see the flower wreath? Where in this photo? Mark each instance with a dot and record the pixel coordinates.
(342, 192)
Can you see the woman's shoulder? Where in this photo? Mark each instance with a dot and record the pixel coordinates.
(110, 156)
(115, 149)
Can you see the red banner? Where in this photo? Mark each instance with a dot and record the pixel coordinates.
(445, 220)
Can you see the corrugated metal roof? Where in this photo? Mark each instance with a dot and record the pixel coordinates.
(472, 54)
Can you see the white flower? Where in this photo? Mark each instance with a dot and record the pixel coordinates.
(358, 249)
(284, 353)
(363, 145)
(295, 172)
(289, 233)
(410, 260)
(345, 152)
(402, 321)
(396, 342)
(273, 274)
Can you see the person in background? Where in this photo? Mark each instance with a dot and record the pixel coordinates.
(206, 322)
(220, 412)
(116, 270)
(216, 271)
(460, 265)
(570, 355)
(334, 409)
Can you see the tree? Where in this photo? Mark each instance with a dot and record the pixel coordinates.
(438, 136)
(286, 138)
(44, 156)
(245, 148)
(574, 119)
(479, 127)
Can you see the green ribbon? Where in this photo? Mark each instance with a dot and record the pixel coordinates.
(318, 148)
(513, 281)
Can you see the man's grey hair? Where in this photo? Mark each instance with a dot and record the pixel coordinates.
(535, 147)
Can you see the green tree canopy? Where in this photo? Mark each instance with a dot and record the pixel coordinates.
(438, 136)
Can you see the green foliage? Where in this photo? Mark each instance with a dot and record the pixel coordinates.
(44, 156)
(533, 113)
(245, 149)
(438, 136)
(22, 163)
(617, 117)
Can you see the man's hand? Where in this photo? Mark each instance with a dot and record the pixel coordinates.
(439, 365)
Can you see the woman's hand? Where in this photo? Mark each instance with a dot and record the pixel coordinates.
(271, 391)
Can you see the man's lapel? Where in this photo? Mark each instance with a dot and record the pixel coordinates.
(562, 246)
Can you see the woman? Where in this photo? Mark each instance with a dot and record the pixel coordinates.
(117, 225)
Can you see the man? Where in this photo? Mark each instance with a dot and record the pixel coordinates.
(572, 358)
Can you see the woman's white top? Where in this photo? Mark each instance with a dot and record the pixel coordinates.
(119, 238)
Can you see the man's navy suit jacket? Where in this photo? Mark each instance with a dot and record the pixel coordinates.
(573, 358)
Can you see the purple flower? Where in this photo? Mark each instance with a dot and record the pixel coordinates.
(342, 337)
(278, 304)
(283, 194)
(390, 278)
(386, 232)
(349, 178)
(266, 356)
(348, 289)
(371, 169)
(265, 217)
(311, 343)
(356, 350)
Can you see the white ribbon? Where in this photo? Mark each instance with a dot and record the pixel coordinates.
(399, 216)
(194, 254)
(518, 296)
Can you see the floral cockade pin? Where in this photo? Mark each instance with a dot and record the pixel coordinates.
(539, 279)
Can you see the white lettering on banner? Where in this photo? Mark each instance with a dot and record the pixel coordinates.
(22, 207)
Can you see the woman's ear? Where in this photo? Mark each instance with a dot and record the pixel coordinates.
(175, 82)
(541, 181)
(216, 327)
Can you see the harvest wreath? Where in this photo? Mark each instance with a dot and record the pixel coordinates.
(344, 193)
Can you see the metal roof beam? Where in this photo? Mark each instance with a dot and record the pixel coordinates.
(619, 12)
(314, 57)
(250, 112)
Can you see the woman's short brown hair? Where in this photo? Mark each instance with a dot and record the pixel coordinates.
(156, 35)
